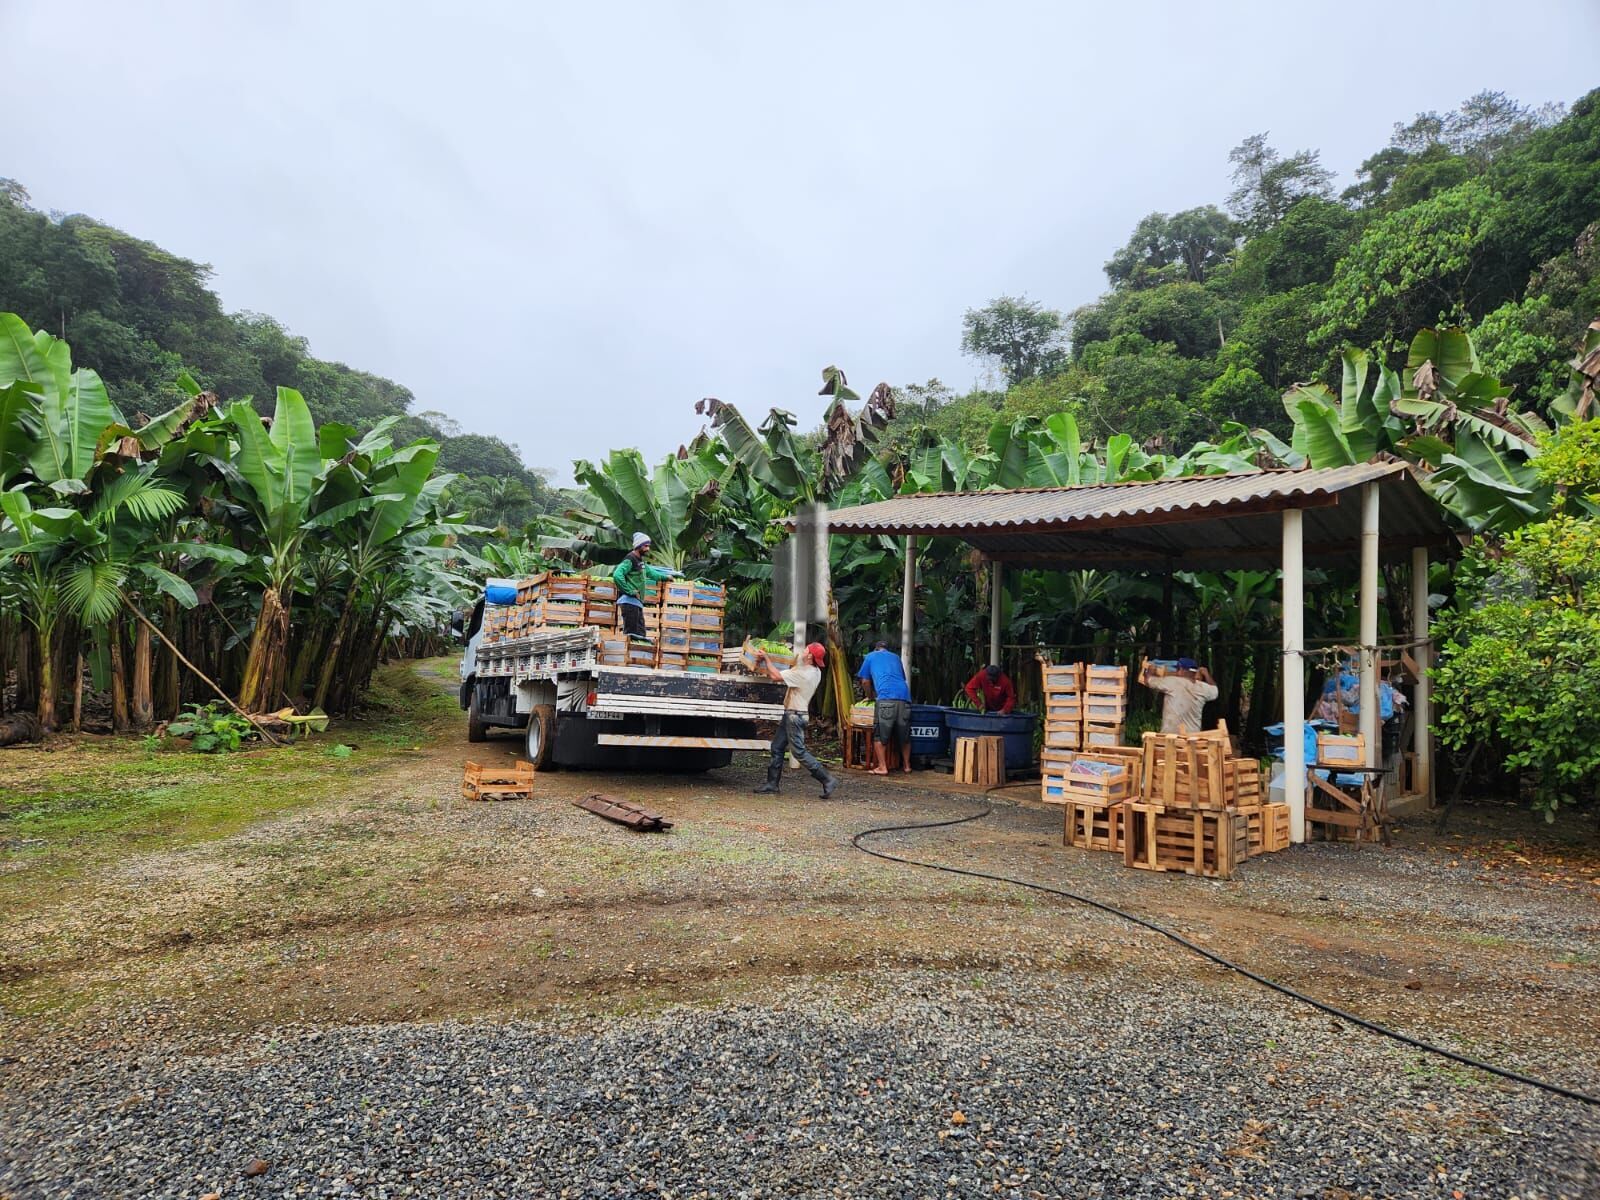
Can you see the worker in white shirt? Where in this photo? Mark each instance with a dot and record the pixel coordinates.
(802, 680)
(1186, 689)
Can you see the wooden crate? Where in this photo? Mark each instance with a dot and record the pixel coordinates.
(1112, 783)
(1197, 841)
(513, 782)
(1268, 827)
(1099, 737)
(1094, 825)
(1063, 737)
(981, 761)
(1105, 681)
(1198, 770)
(1104, 710)
(1065, 678)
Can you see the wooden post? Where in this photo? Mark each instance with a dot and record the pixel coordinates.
(1294, 674)
(1422, 708)
(996, 579)
(908, 605)
(1370, 724)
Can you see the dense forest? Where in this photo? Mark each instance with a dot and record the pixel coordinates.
(1484, 217)
(140, 315)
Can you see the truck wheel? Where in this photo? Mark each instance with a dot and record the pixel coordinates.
(477, 731)
(542, 737)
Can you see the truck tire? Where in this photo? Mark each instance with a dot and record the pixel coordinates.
(541, 743)
(477, 731)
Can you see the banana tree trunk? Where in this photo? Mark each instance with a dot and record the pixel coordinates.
(143, 661)
(77, 695)
(45, 648)
(119, 678)
(331, 659)
(263, 669)
(169, 684)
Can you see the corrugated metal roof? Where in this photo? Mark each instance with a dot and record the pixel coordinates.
(1197, 520)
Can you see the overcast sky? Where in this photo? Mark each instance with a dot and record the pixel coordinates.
(565, 224)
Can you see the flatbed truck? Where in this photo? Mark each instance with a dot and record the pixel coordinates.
(574, 711)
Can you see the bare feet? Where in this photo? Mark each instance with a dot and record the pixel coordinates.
(878, 771)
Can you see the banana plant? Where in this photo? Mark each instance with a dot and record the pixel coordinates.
(676, 506)
(374, 496)
(275, 474)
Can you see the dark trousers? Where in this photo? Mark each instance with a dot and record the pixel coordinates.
(632, 620)
(791, 738)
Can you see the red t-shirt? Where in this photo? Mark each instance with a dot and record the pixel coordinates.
(998, 696)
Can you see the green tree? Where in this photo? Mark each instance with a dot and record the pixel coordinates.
(1414, 267)
(1520, 664)
(1022, 336)
(1267, 185)
(1189, 245)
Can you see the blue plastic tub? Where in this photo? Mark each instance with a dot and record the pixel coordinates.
(1017, 728)
(929, 737)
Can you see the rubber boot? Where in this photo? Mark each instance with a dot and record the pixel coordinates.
(829, 782)
(774, 777)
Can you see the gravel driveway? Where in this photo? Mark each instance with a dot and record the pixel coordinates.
(1110, 1083)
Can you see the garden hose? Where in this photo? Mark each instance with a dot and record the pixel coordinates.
(1283, 989)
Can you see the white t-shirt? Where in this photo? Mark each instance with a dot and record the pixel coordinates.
(1185, 702)
(802, 679)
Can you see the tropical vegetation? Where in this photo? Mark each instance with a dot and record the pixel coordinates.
(269, 549)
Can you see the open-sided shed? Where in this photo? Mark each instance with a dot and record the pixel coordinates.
(1363, 514)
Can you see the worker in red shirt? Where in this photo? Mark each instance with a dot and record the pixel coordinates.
(991, 691)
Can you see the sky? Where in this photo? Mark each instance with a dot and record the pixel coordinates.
(564, 224)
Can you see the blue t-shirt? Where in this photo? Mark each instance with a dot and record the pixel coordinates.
(887, 675)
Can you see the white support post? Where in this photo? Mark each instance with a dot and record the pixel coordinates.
(996, 578)
(1294, 674)
(1422, 708)
(1371, 726)
(908, 605)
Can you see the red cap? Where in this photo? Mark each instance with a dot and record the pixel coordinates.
(817, 652)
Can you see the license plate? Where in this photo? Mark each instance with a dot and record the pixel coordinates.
(604, 716)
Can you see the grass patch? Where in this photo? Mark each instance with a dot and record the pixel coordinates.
(64, 808)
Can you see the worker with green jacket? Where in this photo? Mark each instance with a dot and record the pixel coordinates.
(630, 576)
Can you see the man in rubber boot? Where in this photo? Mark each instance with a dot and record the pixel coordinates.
(802, 680)
(630, 576)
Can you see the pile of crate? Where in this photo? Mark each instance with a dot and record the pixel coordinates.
(688, 625)
(1085, 710)
(683, 618)
(1201, 808)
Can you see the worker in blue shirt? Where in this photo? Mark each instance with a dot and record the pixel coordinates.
(884, 679)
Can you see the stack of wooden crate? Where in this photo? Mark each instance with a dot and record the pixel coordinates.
(1063, 728)
(1105, 705)
(689, 625)
(1200, 808)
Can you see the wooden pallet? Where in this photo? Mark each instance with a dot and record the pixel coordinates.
(1094, 825)
(981, 761)
(1268, 827)
(514, 782)
(1196, 841)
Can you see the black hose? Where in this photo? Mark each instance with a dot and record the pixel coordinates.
(1282, 989)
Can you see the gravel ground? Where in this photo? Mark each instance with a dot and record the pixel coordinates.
(1114, 1083)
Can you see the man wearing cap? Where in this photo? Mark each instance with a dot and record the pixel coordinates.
(802, 680)
(630, 576)
(991, 691)
(1187, 688)
(883, 677)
